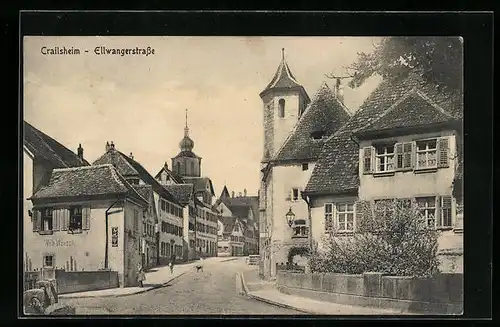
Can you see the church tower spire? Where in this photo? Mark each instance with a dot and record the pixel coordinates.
(186, 163)
(187, 144)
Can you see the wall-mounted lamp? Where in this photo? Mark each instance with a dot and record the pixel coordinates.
(290, 217)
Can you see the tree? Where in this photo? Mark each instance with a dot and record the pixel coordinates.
(390, 238)
(438, 58)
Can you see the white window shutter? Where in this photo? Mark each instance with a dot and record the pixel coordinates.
(335, 223)
(443, 152)
(413, 154)
(368, 160)
(86, 218)
(55, 219)
(64, 219)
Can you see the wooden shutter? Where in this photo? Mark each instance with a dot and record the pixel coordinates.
(56, 213)
(368, 154)
(398, 149)
(442, 152)
(64, 222)
(413, 155)
(407, 159)
(37, 220)
(445, 206)
(86, 218)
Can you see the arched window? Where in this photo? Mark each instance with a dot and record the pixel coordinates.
(192, 168)
(281, 108)
(178, 167)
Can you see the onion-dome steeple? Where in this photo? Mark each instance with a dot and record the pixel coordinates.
(187, 144)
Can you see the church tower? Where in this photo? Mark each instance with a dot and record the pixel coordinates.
(186, 163)
(284, 101)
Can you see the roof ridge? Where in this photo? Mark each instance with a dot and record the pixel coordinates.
(82, 167)
(37, 132)
(120, 179)
(127, 158)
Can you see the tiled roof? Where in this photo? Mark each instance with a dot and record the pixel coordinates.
(283, 79)
(199, 183)
(118, 160)
(86, 181)
(127, 166)
(414, 109)
(325, 114)
(336, 170)
(45, 147)
(182, 192)
(175, 177)
(239, 211)
(146, 191)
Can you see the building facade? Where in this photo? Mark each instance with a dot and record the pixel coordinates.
(403, 143)
(169, 218)
(294, 131)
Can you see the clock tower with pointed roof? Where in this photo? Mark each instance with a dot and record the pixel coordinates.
(284, 101)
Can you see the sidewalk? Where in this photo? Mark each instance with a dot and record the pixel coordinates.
(266, 292)
(157, 277)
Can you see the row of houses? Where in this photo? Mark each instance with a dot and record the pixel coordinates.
(112, 214)
(320, 162)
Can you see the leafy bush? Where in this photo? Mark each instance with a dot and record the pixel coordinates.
(302, 251)
(390, 238)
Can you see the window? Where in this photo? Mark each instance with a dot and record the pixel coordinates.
(295, 194)
(300, 229)
(345, 217)
(426, 154)
(46, 219)
(178, 167)
(305, 166)
(48, 261)
(404, 153)
(281, 108)
(192, 167)
(75, 219)
(162, 204)
(427, 208)
(384, 158)
(328, 216)
(134, 181)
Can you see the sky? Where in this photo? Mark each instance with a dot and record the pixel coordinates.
(140, 102)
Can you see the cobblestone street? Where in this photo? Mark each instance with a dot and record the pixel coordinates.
(213, 291)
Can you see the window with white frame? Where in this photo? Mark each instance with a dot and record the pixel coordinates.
(426, 153)
(427, 208)
(328, 216)
(345, 217)
(384, 158)
(300, 228)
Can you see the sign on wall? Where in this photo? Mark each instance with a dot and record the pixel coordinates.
(114, 237)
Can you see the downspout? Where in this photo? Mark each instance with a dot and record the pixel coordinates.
(306, 199)
(107, 234)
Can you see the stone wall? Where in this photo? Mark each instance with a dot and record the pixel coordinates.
(81, 281)
(440, 294)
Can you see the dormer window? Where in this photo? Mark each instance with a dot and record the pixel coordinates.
(281, 108)
(317, 135)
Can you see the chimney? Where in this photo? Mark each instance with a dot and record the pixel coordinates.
(239, 194)
(80, 151)
(245, 192)
(339, 91)
(131, 155)
(165, 165)
(232, 194)
(107, 147)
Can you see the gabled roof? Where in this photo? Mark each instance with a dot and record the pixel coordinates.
(146, 191)
(228, 223)
(44, 147)
(224, 193)
(284, 79)
(182, 192)
(240, 211)
(174, 176)
(412, 110)
(336, 170)
(86, 181)
(325, 114)
(118, 160)
(129, 167)
(200, 183)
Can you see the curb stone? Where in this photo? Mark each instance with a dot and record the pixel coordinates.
(123, 295)
(258, 298)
